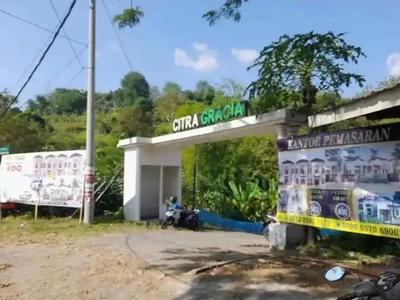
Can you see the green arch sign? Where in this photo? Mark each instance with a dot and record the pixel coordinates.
(211, 116)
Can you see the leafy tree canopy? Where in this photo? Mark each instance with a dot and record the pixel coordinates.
(293, 69)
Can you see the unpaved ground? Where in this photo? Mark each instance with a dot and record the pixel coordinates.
(133, 266)
(77, 271)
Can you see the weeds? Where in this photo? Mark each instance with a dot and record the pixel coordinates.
(24, 229)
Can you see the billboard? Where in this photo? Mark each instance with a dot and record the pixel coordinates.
(43, 178)
(347, 180)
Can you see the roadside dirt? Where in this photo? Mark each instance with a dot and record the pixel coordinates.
(303, 281)
(77, 270)
(106, 268)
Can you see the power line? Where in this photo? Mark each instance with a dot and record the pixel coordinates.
(116, 34)
(40, 27)
(65, 33)
(34, 59)
(76, 75)
(42, 58)
(66, 66)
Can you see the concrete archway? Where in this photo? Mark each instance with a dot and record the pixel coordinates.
(153, 166)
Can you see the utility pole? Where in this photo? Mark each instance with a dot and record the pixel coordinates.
(194, 175)
(90, 119)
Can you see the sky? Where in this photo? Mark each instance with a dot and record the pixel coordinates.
(173, 42)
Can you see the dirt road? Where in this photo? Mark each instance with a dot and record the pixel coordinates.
(147, 266)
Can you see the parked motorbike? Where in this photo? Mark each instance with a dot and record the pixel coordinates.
(269, 219)
(179, 218)
(385, 287)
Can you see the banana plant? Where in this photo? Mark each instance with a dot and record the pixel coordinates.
(273, 193)
(245, 197)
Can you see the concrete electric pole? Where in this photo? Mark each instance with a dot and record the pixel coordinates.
(90, 121)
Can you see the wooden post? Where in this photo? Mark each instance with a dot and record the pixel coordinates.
(36, 211)
(1, 215)
(82, 205)
(81, 214)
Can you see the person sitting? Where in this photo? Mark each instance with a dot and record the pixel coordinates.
(173, 204)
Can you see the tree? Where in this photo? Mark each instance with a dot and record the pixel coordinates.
(133, 121)
(154, 92)
(383, 84)
(229, 10)
(41, 104)
(293, 69)
(22, 134)
(129, 17)
(133, 86)
(166, 106)
(231, 88)
(64, 101)
(171, 88)
(107, 102)
(204, 92)
(5, 100)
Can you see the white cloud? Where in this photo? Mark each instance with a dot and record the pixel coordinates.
(206, 59)
(245, 56)
(393, 64)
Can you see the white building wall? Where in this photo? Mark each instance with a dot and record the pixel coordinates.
(132, 184)
(153, 156)
(150, 192)
(147, 186)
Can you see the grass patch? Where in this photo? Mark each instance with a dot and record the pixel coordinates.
(24, 229)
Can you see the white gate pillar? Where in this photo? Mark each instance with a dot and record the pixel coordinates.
(286, 130)
(132, 172)
(282, 130)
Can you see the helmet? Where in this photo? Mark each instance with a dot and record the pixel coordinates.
(174, 199)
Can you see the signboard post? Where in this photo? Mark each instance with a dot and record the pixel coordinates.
(347, 180)
(3, 151)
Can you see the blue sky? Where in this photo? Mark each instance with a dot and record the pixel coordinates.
(173, 42)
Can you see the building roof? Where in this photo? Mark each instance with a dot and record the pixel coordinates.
(302, 161)
(287, 162)
(380, 104)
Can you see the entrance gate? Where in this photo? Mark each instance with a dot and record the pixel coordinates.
(153, 166)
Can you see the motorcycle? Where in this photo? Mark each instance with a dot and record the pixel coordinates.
(179, 218)
(384, 287)
(269, 219)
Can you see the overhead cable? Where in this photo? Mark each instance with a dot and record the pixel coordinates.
(76, 75)
(65, 33)
(72, 5)
(38, 26)
(116, 34)
(66, 67)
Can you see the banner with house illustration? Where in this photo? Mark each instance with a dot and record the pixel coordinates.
(43, 178)
(347, 180)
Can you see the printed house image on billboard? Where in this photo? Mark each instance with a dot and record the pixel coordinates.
(46, 178)
(373, 164)
(346, 176)
(379, 208)
(62, 166)
(292, 201)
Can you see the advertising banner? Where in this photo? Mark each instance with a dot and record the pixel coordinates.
(43, 178)
(347, 180)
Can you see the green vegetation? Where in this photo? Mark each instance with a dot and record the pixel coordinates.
(236, 178)
(24, 229)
